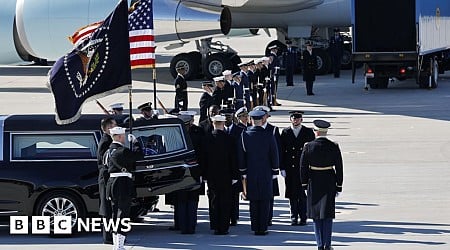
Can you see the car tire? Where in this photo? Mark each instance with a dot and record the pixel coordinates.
(61, 203)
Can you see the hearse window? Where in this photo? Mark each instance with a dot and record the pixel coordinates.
(160, 140)
(53, 146)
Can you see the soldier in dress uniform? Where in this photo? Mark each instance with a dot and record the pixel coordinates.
(120, 188)
(336, 48)
(219, 97)
(293, 139)
(119, 116)
(206, 100)
(309, 67)
(243, 119)
(321, 172)
(228, 89)
(274, 73)
(275, 132)
(265, 97)
(187, 200)
(245, 81)
(181, 94)
(258, 163)
(220, 173)
(253, 80)
(207, 124)
(147, 112)
(238, 91)
(103, 175)
(290, 58)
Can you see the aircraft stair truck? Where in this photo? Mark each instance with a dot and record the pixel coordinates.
(401, 39)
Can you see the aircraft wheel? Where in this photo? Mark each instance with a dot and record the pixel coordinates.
(215, 64)
(189, 61)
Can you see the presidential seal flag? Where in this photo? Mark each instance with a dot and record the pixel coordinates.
(96, 67)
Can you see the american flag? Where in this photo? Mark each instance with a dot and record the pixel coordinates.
(142, 40)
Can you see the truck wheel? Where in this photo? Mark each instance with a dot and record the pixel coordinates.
(215, 64)
(383, 82)
(187, 60)
(346, 61)
(323, 62)
(60, 203)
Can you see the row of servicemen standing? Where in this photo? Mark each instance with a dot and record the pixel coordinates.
(237, 155)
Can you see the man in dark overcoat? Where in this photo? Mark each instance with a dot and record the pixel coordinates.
(103, 175)
(206, 100)
(290, 59)
(322, 173)
(309, 61)
(293, 139)
(258, 163)
(336, 48)
(181, 94)
(220, 172)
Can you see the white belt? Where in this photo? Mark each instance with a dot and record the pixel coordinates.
(320, 168)
(121, 175)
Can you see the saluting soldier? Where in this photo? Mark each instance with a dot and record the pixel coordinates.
(258, 163)
(322, 173)
(103, 175)
(243, 119)
(290, 58)
(120, 189)
(206, 100)
(207, 124)
(309, 67)
(293, 139)
(181, 94)
(220, 173)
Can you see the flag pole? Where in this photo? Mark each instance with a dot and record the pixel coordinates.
(130, 108)
(154, 86)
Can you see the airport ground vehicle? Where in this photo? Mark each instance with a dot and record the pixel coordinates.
(48, 169)
(401, 39)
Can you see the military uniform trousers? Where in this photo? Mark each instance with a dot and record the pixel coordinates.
(276, 192)
(187, 215)
(219, 210)
(120, 190)
(237, 188)
(259, 214)
(181, 100)
(105, 204)
(298, 206)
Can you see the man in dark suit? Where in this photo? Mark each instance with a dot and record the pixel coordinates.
(293, 139)
(206, 100)
(322, 173)
(309, 60)
(181, 94)
(258, 163)
(103, 175)
(336, 48)
(220, 172)
(290, 58)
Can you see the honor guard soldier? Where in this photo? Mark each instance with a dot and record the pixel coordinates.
(253, 80)
(117, 109)
(206, 100)
(321, 172)
(336, 48)
(293, 139)
(220, 172)
(120, 189)
(309, 67)
(274, 73)
(238, 99)
(275, 132)
(258, 163)
(242, 116)
(103, 174)
(264, 78)
(219, 96)
(207, 124)
(290, 57)
(245, 81)
(181, 94)
(228, 89)
(147, 112)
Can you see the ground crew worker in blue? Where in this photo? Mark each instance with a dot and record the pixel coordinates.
(309, 67)
(103, 175)
(258, 162)
(220, 172)
(290, 58)
(336, 48)
(293, 139)
(181, 94)
(322, 173)
(120, 189)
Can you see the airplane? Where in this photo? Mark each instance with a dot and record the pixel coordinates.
(36, 30)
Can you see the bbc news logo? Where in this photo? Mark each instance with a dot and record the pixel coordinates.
(63, 225)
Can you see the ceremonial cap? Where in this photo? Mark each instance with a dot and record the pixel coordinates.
(144, 106)
(218, 78)
(117, 131)
(207, 83)
(296, 113)
(262, 108)
(218, 118)
(242, 64)
(308, 43)
(273, 47)
(188, 112)
(251, 62)
(321, 125)
(118, 106)
(226, 72)
(241, 111)
(265, 58)
(257, 114)
(226, 111)
(237, 74)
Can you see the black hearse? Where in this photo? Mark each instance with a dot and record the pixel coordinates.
(48, 169)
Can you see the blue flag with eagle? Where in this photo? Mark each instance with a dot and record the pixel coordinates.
(98, 66)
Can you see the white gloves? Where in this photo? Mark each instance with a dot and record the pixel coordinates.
(132, 138)
(283, 173)
(233, 182)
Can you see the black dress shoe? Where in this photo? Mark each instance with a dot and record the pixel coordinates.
(289, 85)
(310, 94)
(174, 228)
(294, 222)
(188, 232)
(261, 232)
(302, 223)
(233, 223)
(221, 232)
